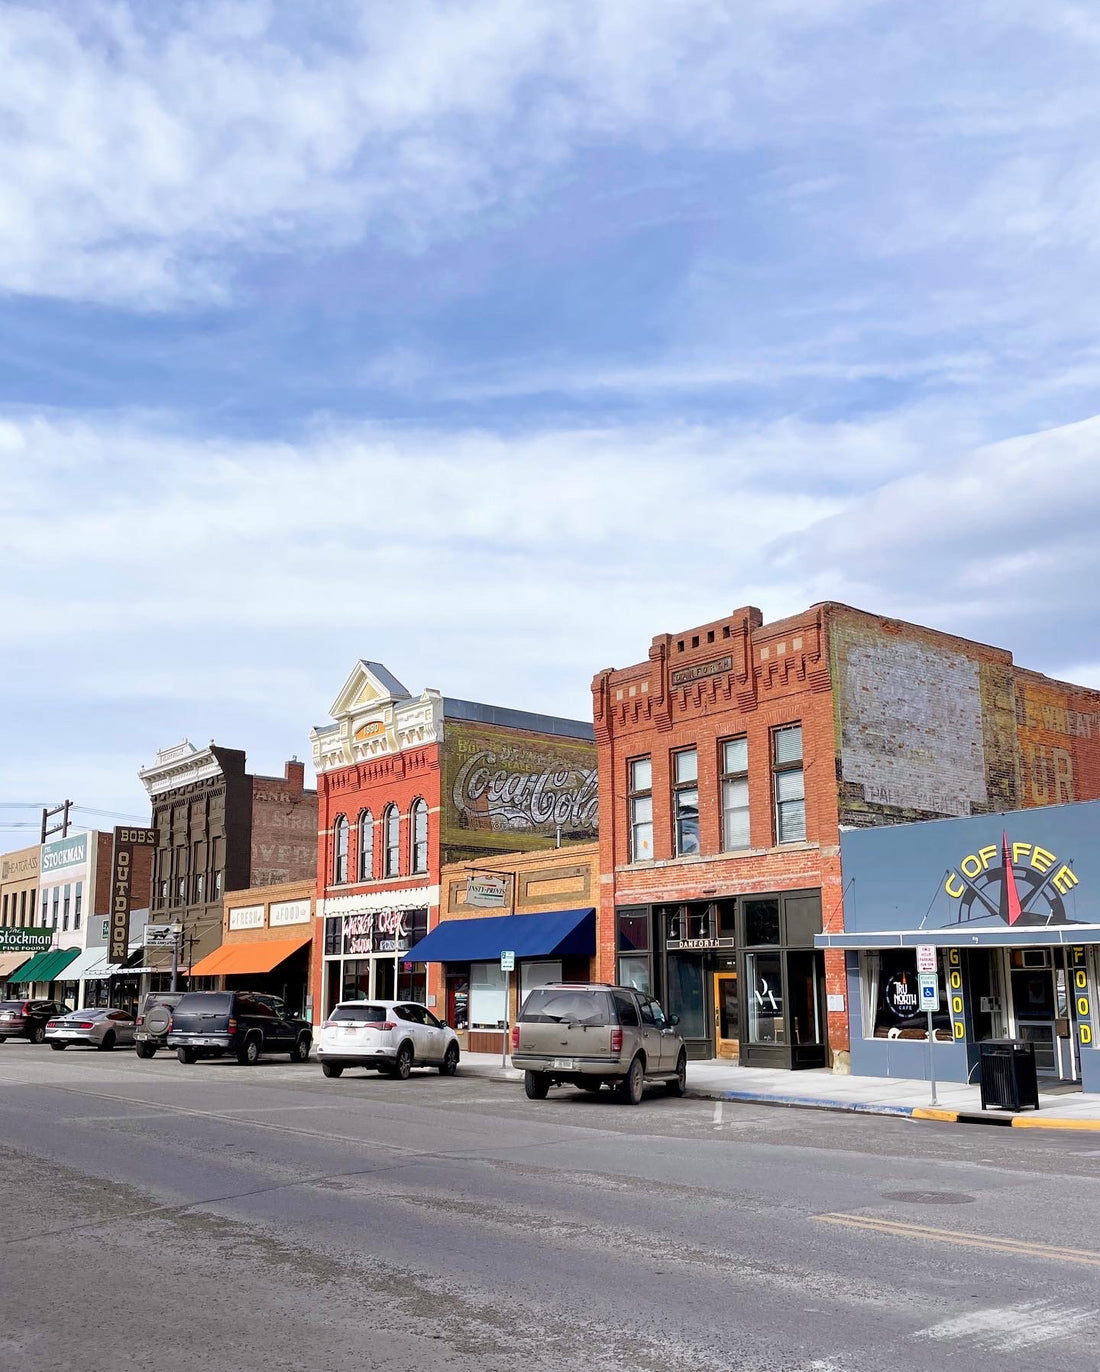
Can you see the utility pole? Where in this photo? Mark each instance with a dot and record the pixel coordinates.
(63, 827)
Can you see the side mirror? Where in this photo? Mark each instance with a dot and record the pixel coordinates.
(674, 1019)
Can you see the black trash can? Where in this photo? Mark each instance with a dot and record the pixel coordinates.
(1008, 1077)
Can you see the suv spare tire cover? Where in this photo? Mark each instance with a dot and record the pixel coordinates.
(158, 1019)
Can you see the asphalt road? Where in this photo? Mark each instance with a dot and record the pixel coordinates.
(265, 1219)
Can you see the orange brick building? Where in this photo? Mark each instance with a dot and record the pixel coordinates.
(729, 761)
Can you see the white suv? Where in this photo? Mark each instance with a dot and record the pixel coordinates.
(389, 1035)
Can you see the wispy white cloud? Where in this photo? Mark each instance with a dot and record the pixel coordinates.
(143, 145)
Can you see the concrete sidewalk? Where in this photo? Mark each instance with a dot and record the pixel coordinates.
(718, 1079)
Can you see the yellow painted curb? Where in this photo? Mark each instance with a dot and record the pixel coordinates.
(926, 1112)
(1038, 1122)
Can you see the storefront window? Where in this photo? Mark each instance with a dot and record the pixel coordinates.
(488, 1002)
(633, 933)
(412, 981)
(761, 922)
(634, 971)
(892, 997)
(532, 974)
(764, 990)
(685, 994)
(356, 981)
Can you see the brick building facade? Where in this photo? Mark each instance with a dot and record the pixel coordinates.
(730, 759)
(406, 784)
(221, 829)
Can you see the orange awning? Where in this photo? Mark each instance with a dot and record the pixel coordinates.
(236, 959)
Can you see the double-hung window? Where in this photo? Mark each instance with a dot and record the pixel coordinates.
(365, 869)
(685, 801)
(392, 824)
(340, 846)
(420, 836)
(640, 801)
(788, 784)
(735, 793)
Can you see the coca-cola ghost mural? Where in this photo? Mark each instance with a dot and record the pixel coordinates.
(508, 790)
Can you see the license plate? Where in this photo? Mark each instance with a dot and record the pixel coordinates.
(206, 1043)
(564, 1064)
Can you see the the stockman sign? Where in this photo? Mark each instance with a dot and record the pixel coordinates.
(122, 880)
(25, 940)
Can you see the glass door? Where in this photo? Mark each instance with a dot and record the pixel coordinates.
(727, 1032)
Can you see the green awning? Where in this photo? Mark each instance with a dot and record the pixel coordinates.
(46, 966)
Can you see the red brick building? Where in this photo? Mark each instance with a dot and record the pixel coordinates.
(406, 784)
(730, 759)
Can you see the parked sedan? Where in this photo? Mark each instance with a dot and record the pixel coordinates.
(391, 1036)
(100, 1028)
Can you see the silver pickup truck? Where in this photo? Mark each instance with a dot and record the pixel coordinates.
(588, 1035)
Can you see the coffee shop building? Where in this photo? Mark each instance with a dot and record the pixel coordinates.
(736, 759)
(1010, 903)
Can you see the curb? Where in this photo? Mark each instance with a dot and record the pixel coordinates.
(939, 1114)
(916, 1112)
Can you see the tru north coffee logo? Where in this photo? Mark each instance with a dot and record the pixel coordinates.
(1016, 883)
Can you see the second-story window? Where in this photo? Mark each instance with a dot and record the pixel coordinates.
(685, 801)
(789, 784)
(420, 836)
(340, 851)
(640, 801)
(365, 869)
(735, 793)
(392, 823)
(78, 900)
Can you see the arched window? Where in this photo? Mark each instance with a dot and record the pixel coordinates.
(392, 822)
(365, 870)
(340, 850)
(419, 836)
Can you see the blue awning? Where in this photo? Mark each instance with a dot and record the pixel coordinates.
(560, 933)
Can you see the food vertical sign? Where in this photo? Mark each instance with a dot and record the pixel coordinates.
(122, 881)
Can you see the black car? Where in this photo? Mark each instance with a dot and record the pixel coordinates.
(154, 1019)
(209, 1024)
(26, 1019)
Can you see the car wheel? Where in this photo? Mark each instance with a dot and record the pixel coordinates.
(300, 1051)
(633, 1084)
(145, 1050)
(332, 1069)
(592, 1086)
(678, 1085)
(402, 1065)
(536, 1084)
(108, 1041)
(57, 1047)
(3, 1038)
(186, 1056)
(449, 1066)
(249, 1055)
(39, 1035)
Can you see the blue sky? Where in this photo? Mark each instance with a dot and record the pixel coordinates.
(489, 339)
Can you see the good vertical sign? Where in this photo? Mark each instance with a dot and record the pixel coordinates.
(122, 875)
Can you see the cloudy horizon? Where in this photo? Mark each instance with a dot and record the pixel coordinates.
(488, 341)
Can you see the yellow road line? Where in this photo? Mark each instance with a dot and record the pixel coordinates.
(928, 1112)
(1019, 1247)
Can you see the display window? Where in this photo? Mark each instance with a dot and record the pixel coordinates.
(892, 997)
